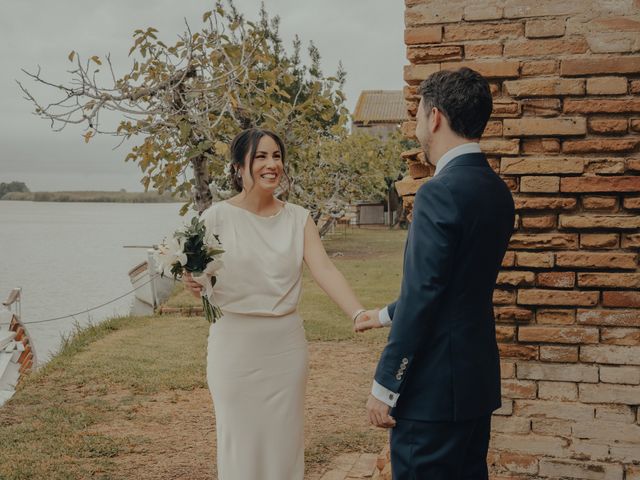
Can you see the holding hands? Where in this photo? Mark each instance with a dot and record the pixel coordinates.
(367, 320)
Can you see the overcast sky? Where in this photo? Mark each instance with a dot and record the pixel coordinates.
(367, 35)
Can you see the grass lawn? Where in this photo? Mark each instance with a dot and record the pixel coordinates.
(128, 398)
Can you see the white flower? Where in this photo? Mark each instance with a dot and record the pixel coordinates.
(213, 266)
(170, 253)
(212, 242)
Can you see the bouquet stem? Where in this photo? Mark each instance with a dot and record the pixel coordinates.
(211, 312)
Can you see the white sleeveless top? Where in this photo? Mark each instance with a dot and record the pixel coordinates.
(262, 273)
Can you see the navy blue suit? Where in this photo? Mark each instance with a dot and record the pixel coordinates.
(442, 355)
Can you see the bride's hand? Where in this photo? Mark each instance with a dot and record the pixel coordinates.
(367, 321)
(194, 287)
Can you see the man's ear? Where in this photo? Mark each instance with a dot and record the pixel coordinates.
(435, 119)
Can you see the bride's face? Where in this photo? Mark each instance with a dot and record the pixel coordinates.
(267, 166)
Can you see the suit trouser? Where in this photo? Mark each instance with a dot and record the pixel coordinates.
(440, 450)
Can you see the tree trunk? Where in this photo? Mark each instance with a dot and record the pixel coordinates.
(327, 226)
(202, 197)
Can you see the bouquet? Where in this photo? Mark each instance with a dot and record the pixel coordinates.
(193, 249)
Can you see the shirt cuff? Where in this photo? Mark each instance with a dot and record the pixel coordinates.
(384, 394)
(384, 318)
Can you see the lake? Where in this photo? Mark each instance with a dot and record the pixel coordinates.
(69, 257)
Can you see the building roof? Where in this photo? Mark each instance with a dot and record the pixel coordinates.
(380, 106)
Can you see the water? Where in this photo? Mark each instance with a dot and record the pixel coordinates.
(69, 257)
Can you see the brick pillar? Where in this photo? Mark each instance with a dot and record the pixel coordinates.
(565, 76)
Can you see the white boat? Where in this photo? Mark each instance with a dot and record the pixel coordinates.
(151, 289)
(16, 352)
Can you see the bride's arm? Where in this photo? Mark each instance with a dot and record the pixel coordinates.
(325, 273)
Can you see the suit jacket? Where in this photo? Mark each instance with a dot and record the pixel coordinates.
(442, 355)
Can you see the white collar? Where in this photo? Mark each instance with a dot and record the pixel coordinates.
(465, 148)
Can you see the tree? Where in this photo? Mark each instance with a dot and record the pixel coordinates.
(189, 99)
(12, 187)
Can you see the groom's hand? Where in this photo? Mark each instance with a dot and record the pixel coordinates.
(379, 413)
(368, 320)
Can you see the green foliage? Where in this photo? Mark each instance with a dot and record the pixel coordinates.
(12, 187)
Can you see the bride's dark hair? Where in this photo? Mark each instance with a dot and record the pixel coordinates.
(246, 143)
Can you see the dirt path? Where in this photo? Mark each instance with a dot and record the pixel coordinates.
(172, 434)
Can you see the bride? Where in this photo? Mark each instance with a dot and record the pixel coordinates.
(257, 357)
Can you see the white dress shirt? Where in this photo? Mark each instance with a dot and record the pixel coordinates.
(381, 393)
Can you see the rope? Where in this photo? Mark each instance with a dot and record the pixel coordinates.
(93, 308)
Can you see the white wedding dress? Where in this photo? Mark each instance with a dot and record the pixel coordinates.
(257, 358)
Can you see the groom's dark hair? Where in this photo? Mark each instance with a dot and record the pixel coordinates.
(462, 96)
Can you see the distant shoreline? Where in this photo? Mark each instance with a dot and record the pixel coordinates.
(94, 196)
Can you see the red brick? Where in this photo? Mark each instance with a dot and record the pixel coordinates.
(634, 87)
(615, 413)
(544, 203)
(505, 333)
(556, 279)
(541, 166)
(572, 335)
(579, 469)
(609, 280)
(516, 463)
(539, 184)
(558, 372)
(599, 65)
(483, 50)
(415, 36)
(600, 145)
(426, 14)
(557, 298)
(534, 259)
(541, 107)
(493, 129)
(545, 28)
(414, 74)
(519, 389)
(482, 12)
(525, 48)
(599, 240)
(507, 369)
(621, 299)
(556, 317)
(632, 203)
(621, 375)
(539, 222)
(545, 87)
(524, 352)
(544, 241)
(553, 427)
(608, 126)
(554, 353)
(503, 297)
(605, 166)
(540, 67)
(613, 394)
(408, 186)
(515, 278)
(512, 314)
(433, 54)
(634, 125)
(541, 8)
(558, 391)
(540, 145)
(631, 241)
(482, 31)
(502, 109)
(605, 260)
(509, 259)
(620, 336)
(593, 221)
(419, 170)
(607, 86)
(488, 68)
(611, 354)
(532, 126)
(599, 203)
(601, 105)
(537, 445)
(600, 184)
(500, 147)
(609, 318)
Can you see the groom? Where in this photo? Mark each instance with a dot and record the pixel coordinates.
(438, 379)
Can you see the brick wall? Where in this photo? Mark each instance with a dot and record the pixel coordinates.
(565, 76)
